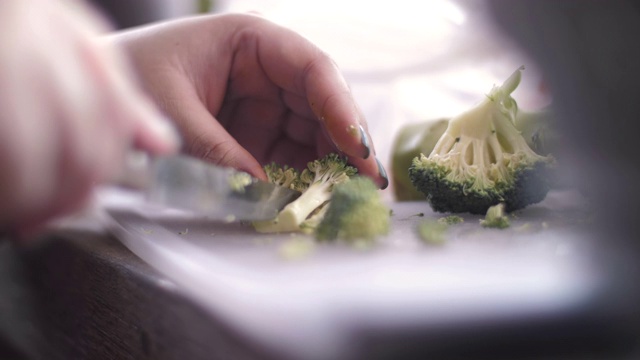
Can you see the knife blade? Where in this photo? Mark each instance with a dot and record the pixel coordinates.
(193, 185)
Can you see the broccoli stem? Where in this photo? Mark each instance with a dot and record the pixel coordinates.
(296, 212)
(478, 142)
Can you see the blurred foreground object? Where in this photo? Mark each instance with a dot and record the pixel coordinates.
(587, 51)
(69, 111)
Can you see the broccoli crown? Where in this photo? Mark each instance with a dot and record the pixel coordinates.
(331, 169)
(316, 183)
(284, 176)
(356, 211)
(482, 160)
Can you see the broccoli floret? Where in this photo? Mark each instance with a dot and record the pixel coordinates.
(482, 160)
(316, 183)
(356, 212)
(284, 176)
(496, 218)
(538, 128)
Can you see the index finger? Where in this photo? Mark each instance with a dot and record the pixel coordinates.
(296, 65)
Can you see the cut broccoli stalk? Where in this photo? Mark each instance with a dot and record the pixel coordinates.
(316, 183)
(356, 212)
(482, 160)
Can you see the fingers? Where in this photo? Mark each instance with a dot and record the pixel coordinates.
(298, 66)
(110, 72)
(204, 136)
(69, 114)
(135, 113)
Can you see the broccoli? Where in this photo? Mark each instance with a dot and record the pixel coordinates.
(482, 160)
(238, 181)
(356, 211)
(451, 220)
(432, 232)
(496, 218)
(284, 176)
(538, 128)
(316, 183)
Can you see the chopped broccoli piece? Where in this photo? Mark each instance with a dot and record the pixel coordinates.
(432, 232)
(296, 248)
(356, 212)
(238, 181)
(451, 220)
(482, 160)
(316, 183)
(496, 218)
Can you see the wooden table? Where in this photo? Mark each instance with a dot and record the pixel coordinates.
(82, 295)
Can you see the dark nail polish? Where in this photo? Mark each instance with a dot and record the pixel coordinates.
(383, 174)
(365, 142)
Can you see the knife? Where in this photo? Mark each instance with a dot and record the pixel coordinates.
(186, 183)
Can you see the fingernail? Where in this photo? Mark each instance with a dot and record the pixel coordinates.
(365, 142)
(383, 174)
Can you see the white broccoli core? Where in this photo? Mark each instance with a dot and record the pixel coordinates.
(482, 145)
(296, 212)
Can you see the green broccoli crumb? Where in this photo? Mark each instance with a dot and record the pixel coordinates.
(432, 232)
(296, 248)
(496, 218)
(146, 231)
(451, 220)
(238, 181)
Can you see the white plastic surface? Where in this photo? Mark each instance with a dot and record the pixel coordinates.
(311, 306)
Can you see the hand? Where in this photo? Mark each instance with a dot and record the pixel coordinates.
(68, 112)
(244, 91)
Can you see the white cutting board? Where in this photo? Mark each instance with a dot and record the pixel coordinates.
(309, 306)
